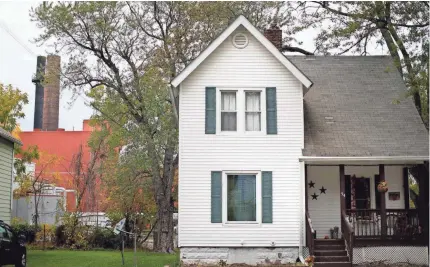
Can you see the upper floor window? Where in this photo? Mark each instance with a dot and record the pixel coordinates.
(253, 111)
(240, 110)
(228, 111)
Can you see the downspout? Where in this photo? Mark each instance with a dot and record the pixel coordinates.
(302, 208)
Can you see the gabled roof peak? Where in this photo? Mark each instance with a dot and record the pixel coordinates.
(241, 20)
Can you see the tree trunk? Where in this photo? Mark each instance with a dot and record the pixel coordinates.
(162, 186)
(165, 212)
(36, 210)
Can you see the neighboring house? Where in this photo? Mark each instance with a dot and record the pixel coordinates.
(274, 150)
(7, 142)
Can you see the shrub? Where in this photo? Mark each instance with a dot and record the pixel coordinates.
(60, 236)
(104, 238)
(29, 231)
(46, 231)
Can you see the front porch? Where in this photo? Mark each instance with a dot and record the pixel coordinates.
(345, 197)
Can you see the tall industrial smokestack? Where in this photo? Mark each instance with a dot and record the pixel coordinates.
(51, 96)
(38, 81)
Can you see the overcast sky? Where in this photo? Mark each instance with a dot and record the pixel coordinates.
(18, 64)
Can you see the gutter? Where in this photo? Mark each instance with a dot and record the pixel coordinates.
(365, 159)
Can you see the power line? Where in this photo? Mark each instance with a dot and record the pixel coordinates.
(7, 30)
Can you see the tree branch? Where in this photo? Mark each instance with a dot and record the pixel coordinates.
(296, 49)
(410, 25)
(358, 41)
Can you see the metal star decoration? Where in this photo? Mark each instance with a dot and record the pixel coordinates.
(322, 189)
(314, 196)
(311, 184)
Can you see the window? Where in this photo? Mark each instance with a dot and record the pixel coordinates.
(228, 111)
(252, 111)
(239, 110)
(241, 198)
(3, 233)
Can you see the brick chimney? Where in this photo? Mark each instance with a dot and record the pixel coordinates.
(274, 35)
(51, 97)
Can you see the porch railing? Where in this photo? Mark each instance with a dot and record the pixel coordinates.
(399, 223)
(348, 235)
(310, 235)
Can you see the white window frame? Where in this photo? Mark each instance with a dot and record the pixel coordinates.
(261, 109)
(219, 111)
(257, 196)
(240, 109)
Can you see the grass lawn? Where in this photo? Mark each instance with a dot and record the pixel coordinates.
(108, 258)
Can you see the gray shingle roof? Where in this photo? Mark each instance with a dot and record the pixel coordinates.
(6, 135)
(350, 109)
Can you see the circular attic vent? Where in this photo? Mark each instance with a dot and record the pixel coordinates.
(240, 40)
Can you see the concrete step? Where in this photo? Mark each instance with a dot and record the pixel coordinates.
(331, 258)
(330, 253)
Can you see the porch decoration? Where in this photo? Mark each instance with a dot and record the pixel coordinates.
(311, 184)
(335, 232)
(382, 186)
(314, 196)
(322, 189)
(310, 260)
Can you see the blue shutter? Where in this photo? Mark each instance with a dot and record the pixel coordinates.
(266, 188)
(210, 117)
(271, 120)
(216, 197)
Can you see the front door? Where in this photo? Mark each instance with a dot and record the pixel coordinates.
(362, 193)
(357, 192)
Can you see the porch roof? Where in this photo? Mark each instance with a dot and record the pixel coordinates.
(371, 160)
(351, 110)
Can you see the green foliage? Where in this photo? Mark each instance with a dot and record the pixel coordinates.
(75, 234)
(104, 238)
(26, 156)
(12, 101)
(22, 228)
(414, 191)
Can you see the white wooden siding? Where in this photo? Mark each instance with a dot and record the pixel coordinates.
(200, 153)
(6, 159)
(325, 212)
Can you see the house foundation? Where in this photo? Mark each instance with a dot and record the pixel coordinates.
(251, 256)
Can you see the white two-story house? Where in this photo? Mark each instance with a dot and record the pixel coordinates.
(276, 152)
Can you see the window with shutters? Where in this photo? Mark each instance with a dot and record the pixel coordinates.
(228, 111)
(241, 199)
(241, 111)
